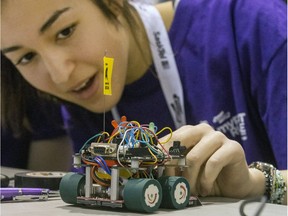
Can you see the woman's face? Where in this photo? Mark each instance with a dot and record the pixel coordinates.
(58, 46)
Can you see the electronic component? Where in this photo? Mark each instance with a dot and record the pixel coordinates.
(125, 169)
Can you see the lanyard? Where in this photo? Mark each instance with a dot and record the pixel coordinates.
(164, 61)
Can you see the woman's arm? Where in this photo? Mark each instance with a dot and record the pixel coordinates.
(216, 165)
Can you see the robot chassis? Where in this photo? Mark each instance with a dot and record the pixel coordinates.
(125, 170)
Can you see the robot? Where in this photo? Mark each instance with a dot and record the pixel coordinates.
(125, 170)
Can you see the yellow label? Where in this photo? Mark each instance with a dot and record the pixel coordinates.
(107, 77)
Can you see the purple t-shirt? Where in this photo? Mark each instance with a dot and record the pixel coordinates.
(231, 57)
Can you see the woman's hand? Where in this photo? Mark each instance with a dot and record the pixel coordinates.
(216, 164)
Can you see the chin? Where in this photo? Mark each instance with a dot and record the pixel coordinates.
(104, 106)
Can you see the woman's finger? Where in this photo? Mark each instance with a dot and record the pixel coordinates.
(198, 156)
(188, 135)
(218, 170)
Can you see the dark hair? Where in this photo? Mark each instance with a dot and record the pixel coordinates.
(16, 92)
(18, 97)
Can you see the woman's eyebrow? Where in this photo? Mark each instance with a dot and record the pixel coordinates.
(44, 27)
(10, 49)
(52, 19)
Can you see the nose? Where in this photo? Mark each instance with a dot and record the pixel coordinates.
(59, 65)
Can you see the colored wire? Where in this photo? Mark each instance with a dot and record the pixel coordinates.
(169, 137)
(102, 163)
(97, 179)
(156, 159)
(88, 141)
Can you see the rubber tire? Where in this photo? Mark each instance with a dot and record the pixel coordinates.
(137, 195)
(71, 186)
(176, 192)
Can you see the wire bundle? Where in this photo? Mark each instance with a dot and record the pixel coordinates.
(128, 135)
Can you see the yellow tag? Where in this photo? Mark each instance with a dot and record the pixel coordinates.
(107, 78)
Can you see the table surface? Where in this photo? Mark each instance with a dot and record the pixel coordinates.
(55, 206)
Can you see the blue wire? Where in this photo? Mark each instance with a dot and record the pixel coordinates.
(88, 141)
(103, 165)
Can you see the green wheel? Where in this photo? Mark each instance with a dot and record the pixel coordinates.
(142, 195)
(176, 192)
(71, 186)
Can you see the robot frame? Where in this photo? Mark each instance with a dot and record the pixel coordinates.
(125, 170)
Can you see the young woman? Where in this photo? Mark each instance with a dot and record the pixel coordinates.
(226, 67)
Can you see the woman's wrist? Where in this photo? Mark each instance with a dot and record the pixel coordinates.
(284, 174)
(274, 184)
(258, 182)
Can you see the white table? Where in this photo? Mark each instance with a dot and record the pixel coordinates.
(56, 207)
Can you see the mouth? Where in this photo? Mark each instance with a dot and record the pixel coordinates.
(84, 86)
(86, 89)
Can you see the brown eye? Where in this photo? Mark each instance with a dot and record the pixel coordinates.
(66, 32)
(27, 58)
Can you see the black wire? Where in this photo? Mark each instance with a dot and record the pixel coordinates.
(262, 200)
